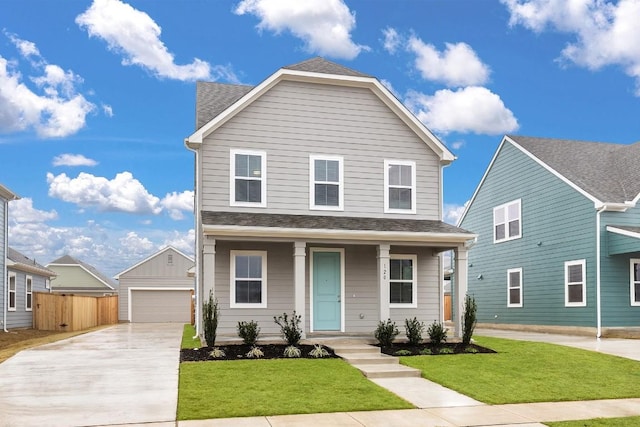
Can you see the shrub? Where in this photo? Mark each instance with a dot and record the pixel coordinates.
(249, 332)
(292, 351)
(471, 350)
(469, 320)
(386, 332)
(446, 350)
(217, 353)
(414, 330)
(402, 353)
(426, 352)
(255, 353)
(210, 313)
(318, 351)
(437, 333)
(290, 327)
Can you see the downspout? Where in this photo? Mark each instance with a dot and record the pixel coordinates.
(196, 208)
(5, 230)
(598, 251)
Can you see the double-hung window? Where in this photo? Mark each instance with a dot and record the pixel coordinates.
(326, 183)
(248, 179)
(514, 287)
(635, 281)
(575, 283)
(12, 292)
(399, 186)
(28, 291)
(507, 223)
(248, 279)
(403, 282)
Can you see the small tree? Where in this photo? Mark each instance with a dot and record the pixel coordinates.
(469, 319)
(210, 312)
(414, 329)
(386, 332)
(289, 327)
(437, 333)
(249, 332)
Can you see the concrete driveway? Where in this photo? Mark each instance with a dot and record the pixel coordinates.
(124, 374)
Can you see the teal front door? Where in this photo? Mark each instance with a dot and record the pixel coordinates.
(326, 291)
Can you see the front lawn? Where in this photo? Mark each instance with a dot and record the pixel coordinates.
(525, 371)
(244, 388)
(188, 340)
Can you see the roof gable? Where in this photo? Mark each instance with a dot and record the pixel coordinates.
(70, 261)
(7, 194)
(153, 256)
(19, 261)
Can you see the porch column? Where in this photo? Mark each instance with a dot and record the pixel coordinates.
(208, 274)
(383, 281)
(461, 277)
(299, 254)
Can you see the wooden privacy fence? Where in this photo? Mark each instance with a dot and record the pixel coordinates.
(61, 312)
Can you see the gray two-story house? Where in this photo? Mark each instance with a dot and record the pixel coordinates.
(318, 191)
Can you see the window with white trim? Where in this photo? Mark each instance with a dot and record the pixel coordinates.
(47, 284)
(326, 183)
(507, 223)
(514, 287)
(403, 282)
(635, 282)
(12, 292)
(28, 291)
(575, 283)
(248, 178)
(248, 279)
(399, 186)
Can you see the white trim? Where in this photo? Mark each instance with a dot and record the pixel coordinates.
(312, 250)
(88, 271)
(27, 279)
(312, 182)
(232, 279)
(150, 257)
(583, 264)
(505, 208)
(519, 287)
(414, 281)
(622, 232)
(9, 291)
(262, 179)
(632, 283)
(152, 288)
(413, 187)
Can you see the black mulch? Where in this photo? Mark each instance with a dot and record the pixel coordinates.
(429, 349)
(239, 352)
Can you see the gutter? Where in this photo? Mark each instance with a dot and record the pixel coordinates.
(198, 287)
(598, 284)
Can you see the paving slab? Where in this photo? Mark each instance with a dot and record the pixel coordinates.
(226, 422)
(400, 418)
(479, 416)
(425, 394)
(334, 419)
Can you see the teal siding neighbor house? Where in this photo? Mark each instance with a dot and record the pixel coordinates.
(558, 245)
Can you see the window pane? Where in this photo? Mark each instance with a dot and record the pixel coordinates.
(255, 267)
(498, 216)
(400, 293)
(326, 195)
(29, 285)
(637, 292)
(12, 283)
(399, 198)
(248, 291)
(242, 165)
(394, 175)
(405, 175)
(12, 299)
(254, 191)
(255, 166)
(575, 273)
(333, 171)
(395, 267)
(514, 296)
(514, 279)
(636, 272)
(28, 300)
(513, 211)
(514, 228)
(242, 190)
(575, 293)
(255, 292)
(242, 266)
(500, 232)
(407, 269)
(320, 170)
(332, 195)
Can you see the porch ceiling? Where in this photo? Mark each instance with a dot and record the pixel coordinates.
(622, 239)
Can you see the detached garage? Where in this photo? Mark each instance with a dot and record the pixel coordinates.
(157, 289)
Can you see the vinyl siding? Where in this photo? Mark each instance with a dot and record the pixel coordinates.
(558, 225)
(3, 255)
(21, 318)
(73, 277)
(294, 120)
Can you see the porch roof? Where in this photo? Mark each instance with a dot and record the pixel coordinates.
(622, 239)
(332, 227)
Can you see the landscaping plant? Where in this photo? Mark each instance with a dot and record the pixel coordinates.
(437, 333)
(318, 351)
(217, 353)
(414, 329)
(210, 312)
(292, 352)
(249, 332)
(386, 332)
(469, 320)
(290, 327)
(255, 353)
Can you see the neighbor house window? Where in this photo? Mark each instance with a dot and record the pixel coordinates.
(635, 281)
(47, 284)
(514, 287)
(28, 302)
(326, 183)
(507, 223)
(399, 186)
(403, 281)
(248, 180)
(575, 280)
(12, 292)
(169, 259)
(248, 279)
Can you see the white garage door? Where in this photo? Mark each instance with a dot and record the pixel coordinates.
(151, 306)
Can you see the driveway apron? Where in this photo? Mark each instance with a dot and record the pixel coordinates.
(127, 373)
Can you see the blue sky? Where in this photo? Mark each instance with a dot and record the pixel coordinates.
(97, 97)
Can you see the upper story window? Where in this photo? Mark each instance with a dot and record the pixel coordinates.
(514, 287)
(507, 223)
(326, 183)
(28, 302)
(403, 286)
(635, 282)
(575, 283)
(12, 292)
(248, 279)
(399, 186)
(248, 180)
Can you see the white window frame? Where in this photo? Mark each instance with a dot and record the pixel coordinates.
(47, 283)
(505, 207)
(13, 276)
(583, 264)
(413, 187)
(262, 179)
(510, 287)
(414, 281)
(232, 273)
(313, 182)
(632, 282)
(28, 293)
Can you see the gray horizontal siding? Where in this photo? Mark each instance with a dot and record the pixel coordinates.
(21, 318)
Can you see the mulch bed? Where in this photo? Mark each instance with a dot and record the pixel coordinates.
(239, 351)
(429, 349)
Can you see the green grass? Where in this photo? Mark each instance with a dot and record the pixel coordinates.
(599, 422)
(187, 337)
(532, 372)
(245, 388)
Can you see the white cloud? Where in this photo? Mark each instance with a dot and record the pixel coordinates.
(124, 193)
(136, 244)
(457, 65)
(136, 36)
(108, 110)
(22, 211)
(391, 40)
(452, 212)
(175, 203)
(324, 25)
(470, 109)
(606, 33)
(73, 160)
(183, 242)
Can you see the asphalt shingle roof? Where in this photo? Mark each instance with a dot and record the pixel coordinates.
(20, 258)
(608, 172)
